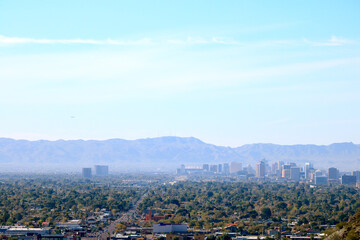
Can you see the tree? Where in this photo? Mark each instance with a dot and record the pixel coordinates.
(224, 237)
(265, 213)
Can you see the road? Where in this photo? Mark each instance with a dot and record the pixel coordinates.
(130, 214)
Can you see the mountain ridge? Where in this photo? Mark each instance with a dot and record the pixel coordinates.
(167, 153)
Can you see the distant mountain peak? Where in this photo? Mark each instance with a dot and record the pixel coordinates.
(169, 152)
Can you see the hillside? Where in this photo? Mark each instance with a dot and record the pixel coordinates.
(163, 153)
(349, 231)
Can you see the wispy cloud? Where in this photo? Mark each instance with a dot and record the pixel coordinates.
(228, 41)
(184, 41)
(191, 40)
(200, 40)
(334, 41)
(17, 40)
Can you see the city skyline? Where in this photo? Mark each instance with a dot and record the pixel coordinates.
(179, 120)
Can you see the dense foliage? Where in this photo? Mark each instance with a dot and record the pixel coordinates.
(33, 200)
(253, 206)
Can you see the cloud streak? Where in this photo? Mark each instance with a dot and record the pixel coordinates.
(333, 42)
(4, 40)
(17, 40)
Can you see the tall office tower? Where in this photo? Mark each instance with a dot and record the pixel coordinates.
(295, 173)
(274, 167)
(285, 173)
(308, 167)
(220, 168)
(226, 169)
(267, 169)
(333, 173)
(348, 180)
(357, 175)
(286, 166)
(206, 167)
(235, 167)
(280, 165)
(101, 170)
(213, 168)
(260, 169)
(86, 173)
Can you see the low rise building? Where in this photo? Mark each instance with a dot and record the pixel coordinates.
(21, 230)
(170, 228)
(321, 180)
(348, 180)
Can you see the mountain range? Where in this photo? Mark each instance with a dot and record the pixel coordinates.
(164, 153)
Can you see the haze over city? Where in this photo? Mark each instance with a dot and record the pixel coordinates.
(179, 120)
(227, 73)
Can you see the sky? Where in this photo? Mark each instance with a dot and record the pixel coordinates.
(226, 72)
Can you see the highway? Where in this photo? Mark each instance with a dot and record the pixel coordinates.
(130, 214)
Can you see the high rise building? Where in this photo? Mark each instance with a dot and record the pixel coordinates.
(260, 169)
(220, 168)
(279, 169)
(214, 168)
(295, 173)
(348, 180)
(206, 167)
(226, 168)
(86, 173)
(333, 173)
(357, 175)
(287, 166)
(101, 170)
(280, 165)
(235, 167)
(285, 173)
(308, 167)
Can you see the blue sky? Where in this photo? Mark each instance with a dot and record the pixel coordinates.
(227, 72)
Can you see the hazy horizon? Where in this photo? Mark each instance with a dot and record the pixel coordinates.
(229, 73)
(168, 136)
(164, 154)
(155, 120)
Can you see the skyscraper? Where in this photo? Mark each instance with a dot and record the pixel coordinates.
(220, 168)
(285, 173)
(206, 167)
(274, 167)
(226, 168)
(333, 173)
(214, 168)
(101, 170)
(357, 175)
(295, 173)
(260, 169)
(279, 168)
(308, 167)
(86, 173)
